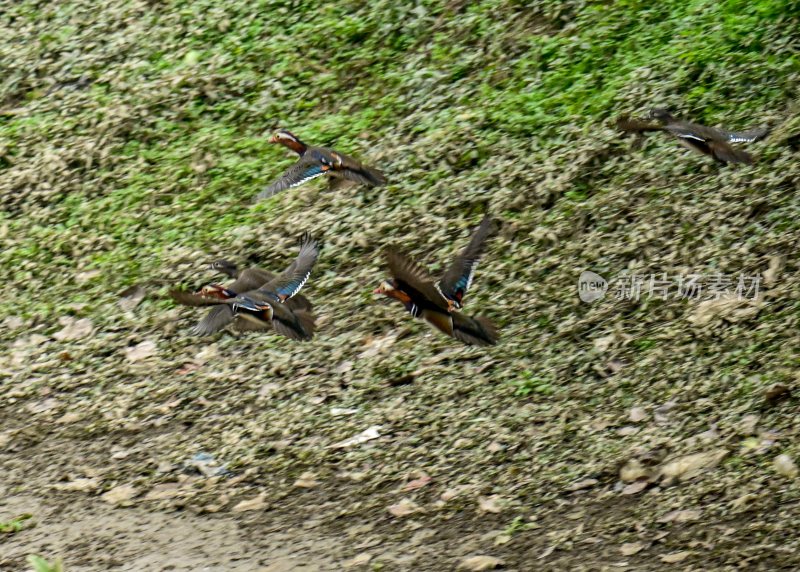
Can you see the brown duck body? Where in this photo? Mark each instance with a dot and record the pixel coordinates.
(711, 141)
(316, 162)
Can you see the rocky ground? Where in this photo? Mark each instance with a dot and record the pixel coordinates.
(623, 434)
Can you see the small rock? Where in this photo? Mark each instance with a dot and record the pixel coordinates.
(130, 298)
(478, 563)
(340, 411)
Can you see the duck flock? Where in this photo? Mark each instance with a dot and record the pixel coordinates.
(257, 299)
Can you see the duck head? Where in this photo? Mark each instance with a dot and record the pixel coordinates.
(660, 114)
(390, 289)
(288, 139)
(226, 267)
(216, 291)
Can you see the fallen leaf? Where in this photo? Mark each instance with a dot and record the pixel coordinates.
(637, 414)
(491, 504)
(747, 426)
(340, 411)
(632, 471)
(73, 329)
(478, 563)
(130, 298)
(404, 508)
(163, 492)
(306, 481)
(634, 488)
(785, 466)
(358, 560)
(631, 548)
(256, 503)
(673, 557)
(140, 351)
(366, 435)
(584, 484)
(776, 392)
(680, 516)
(82, 485)
(120, 494)
(417, 483)
(69, 418)
(684, 468)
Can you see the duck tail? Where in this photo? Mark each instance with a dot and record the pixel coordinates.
(478, 331)
(375, 177)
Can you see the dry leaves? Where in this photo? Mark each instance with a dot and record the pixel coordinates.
(631, 548)
(493, 504)
(785, 466)
(256, 503)
(141, 351)
(674, 557)
(366, 435)
(404, 508)
(680, 516)
(478, 563)
(690, 466)
(120, 495)
(73, 329)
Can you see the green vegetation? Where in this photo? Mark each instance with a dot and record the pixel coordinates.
(16, 524)
(133, 140)
(41, 565)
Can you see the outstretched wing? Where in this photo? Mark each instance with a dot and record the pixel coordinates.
(291, 280)
(191, 299)
(216, 319)
(413, 279)
(304, 170)
(250, 279)
(458, 278)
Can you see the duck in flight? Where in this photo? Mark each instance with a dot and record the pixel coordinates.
(714, 142)
(439, 303)
(318, 161)
(258, 299)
